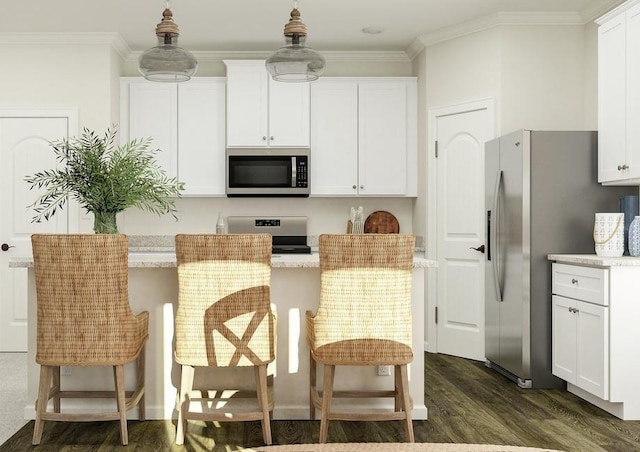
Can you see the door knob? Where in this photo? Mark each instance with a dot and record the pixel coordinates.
(480, 248)
(5, 247)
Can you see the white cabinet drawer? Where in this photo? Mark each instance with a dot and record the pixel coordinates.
(581, 283)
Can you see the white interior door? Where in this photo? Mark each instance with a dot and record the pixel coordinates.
(24, 149)
(461, 132)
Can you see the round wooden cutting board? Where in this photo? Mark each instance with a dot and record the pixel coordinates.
(381, 222)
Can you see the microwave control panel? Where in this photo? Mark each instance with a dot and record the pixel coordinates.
(302, 171)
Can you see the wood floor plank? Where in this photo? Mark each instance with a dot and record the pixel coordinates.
(467, 403)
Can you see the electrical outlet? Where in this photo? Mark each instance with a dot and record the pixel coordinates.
(384, 371)
(65, 371)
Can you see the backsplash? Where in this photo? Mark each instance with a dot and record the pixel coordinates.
(199, 215)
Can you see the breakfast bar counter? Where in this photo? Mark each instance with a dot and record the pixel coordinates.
(295, 288)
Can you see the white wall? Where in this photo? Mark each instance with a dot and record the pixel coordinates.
(591, 76)
(543, 77)
(59, 76)
(326, 215)
(464, 69)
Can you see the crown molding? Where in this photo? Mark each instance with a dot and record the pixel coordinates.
(398, 56)
(114, 40)
(598, 8)
(493, 20)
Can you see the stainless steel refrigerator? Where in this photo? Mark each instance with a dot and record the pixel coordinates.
(541, 196)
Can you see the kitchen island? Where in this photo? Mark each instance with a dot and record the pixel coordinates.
(295, 288)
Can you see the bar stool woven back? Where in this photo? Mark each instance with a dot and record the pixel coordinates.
(364, 319)
(84, 319)
(224, 319)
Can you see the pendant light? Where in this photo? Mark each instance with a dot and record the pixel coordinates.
(167, 62)
(295, 62)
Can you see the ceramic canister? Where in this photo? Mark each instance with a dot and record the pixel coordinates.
(608, 234)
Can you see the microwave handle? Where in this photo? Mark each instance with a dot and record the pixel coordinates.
(294, 173)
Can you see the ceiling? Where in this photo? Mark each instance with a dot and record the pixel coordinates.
(256, 25)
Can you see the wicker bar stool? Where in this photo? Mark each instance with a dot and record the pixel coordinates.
(84, 319)
(224, 319)
(364, 319)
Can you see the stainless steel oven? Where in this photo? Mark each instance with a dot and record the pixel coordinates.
(267, 172)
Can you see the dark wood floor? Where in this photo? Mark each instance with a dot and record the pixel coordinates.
(467, 403)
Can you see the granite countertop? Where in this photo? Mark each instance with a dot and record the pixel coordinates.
(166, 243)
(158, 251)
(595, 261)
(156, 259)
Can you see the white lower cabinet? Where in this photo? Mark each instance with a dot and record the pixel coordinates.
(580, 327)
(581, 344)
(595, 313)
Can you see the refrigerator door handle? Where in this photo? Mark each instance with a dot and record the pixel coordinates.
(495, 233)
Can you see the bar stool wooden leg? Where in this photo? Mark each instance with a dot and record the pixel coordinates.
(312, 387)
(142, 413)
(118, 372)
(406, 402)
(327, 394)
(56, 388)
(263, 400)
(42, 402)
(186, 385)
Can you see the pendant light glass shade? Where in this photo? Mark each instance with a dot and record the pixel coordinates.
(167, 62)
(295, 62)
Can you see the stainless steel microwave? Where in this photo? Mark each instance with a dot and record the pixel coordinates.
(267, 172)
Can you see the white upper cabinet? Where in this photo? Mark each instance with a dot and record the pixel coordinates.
(364, 137)
(150, 110)
(262, 112)
(186, 122)
(201, 143)
(619, 95)
(334, 137)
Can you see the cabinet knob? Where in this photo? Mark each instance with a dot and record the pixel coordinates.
(354, 187)
(271, 138)
(574, 281)
(623, 167)
(361, 187)
(264, 138)
(5, 247)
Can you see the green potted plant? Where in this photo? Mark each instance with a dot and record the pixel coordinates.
(105, 179)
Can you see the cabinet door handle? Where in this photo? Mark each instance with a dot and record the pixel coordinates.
(354, 187)
(271, 138)
(361, 187)
(264, 138)
(6, 246)
(574, 281)
(623, 167)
